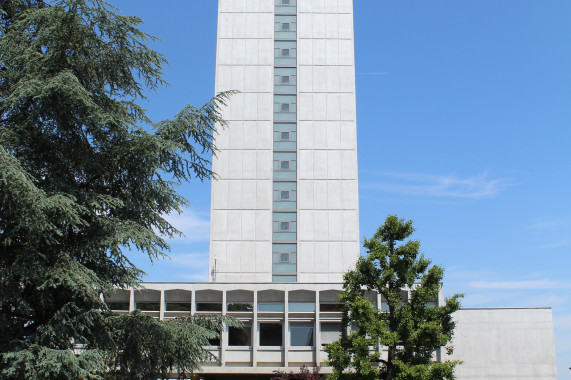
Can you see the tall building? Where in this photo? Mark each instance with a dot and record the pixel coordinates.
(284, 215)
(285, 205)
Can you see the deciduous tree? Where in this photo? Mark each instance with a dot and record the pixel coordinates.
(412, 330)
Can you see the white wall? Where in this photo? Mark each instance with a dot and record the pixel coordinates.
(241, 215)
(505, 344)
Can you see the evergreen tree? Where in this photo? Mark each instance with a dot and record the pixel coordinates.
(412, 329)
(85, 177)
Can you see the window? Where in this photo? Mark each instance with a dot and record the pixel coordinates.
(285, 26)
(208, 306)
(271, 307)
(285, 52)
(284, 79)
(178, 306)
(214, 341)
(330, 307)
(240, 336)
(284, 107)
(330, 332)
(147, 306)
(284, 136)
(271, 334)
(302, 307)
(284, 195)
(118, 306)
(284, 257)
(301, 334)
(284, 165)
(240, 306)
(284, 226)
(285, 2)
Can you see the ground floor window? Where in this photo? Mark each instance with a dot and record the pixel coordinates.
(301, 333)
(271, 334)
(240, 336)
(330, 332)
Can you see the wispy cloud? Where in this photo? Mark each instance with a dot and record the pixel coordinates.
(544, 224)
(520, 285)
(445, 186)
(190, 266)
(194, 226)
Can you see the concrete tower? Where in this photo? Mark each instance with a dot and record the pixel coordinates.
(285, 205)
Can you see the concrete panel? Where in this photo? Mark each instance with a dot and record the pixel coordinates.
(219, 225)
(305, 50)
(333, 135)
(332, 54)
(305, 164)
(235, 164)
(234, 226)
(504, 344)
(249, 160)
(264, 164)
(249, 202)
(331, 25)
(320, 135)
(264, 226)
(263, 195)
(305, 196)
(234, 195)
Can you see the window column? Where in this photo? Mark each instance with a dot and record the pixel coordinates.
(284, 221)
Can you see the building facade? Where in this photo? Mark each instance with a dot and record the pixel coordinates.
(285, 204)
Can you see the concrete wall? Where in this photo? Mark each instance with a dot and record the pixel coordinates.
(327, 187)
(505, 344)
(327, 146)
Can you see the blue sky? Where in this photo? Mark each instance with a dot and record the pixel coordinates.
(463, 126)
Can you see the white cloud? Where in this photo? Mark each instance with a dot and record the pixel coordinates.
(520, 285)
(194, 226)
(448, 186)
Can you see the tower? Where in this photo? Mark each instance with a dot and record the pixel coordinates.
(285, 204)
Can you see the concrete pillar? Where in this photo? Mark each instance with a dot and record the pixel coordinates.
(192, 302)
(286, 328)
(379, 308)
(255, 332)
(131, 300)
(162, 306)
(317, 330)
(223, 343)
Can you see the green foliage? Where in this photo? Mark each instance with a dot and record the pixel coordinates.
(412, 330)
(142, 347)
(85, 177)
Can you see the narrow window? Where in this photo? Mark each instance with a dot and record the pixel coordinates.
(284, 195)
(284, 107)
(284, 136)
(284, 79)
(284, 257)
(284, 165)
(285, 52)
(285, 2)
(284, 226)
(285, 26)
